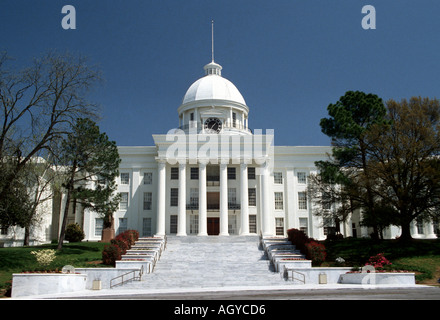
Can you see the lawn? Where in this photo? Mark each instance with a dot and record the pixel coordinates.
(420, 256)
(19, 259)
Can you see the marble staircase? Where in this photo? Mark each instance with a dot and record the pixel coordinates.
(214, 261)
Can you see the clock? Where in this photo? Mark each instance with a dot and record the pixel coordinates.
(213, 125)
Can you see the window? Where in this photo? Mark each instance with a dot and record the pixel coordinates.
(436, 226)
(329, 229)
(279, 226)
(232, 224)
(122, 225)
(99, 226)
(174, 173)
(251, 173)
(252, 194)
(234, 119)
(194, 224)
(148, 178)
(278, 177)
(173, 224)
(123, 205)
(231, 173)
(278, 201)
(302, 179)
(326, 201)
(195, 173)
(252, 223)
(303, 225)
(191, 116)
(420, 229)
(146, 227)
(194, 198)
(232, 197)
(147, 200)
(4, 230)
(302, 200)
(125, 178)
(174, 197)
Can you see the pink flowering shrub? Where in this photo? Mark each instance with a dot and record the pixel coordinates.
(378, 261)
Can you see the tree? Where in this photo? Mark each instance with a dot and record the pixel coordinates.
(92, 165)
(350, 118)
(38, 105)
(404, 160)
(39, 179)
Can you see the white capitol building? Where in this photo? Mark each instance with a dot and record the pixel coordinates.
(214, 176)
(210, 176)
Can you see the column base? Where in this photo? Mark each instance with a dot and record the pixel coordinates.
(181, 235)
(202, 234)
(224, 234)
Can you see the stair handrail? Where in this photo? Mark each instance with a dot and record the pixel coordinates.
(133, 273)
(286, 271)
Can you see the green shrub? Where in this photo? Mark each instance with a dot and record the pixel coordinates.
(74, 233)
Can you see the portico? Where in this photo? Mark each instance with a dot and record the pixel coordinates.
(220, 202)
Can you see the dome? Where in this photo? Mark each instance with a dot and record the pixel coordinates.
(213, 86)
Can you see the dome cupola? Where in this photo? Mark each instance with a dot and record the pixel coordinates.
(213, 104)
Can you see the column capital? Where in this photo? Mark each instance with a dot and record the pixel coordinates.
(203, 162)
(161, 159)
(161, 164)
(181, 162)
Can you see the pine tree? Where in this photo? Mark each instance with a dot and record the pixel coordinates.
(92, 165)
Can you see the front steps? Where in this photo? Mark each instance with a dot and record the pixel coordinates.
(214, 261)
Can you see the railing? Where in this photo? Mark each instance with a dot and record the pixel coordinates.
(231, 206)
(129, 276)
(302, 275)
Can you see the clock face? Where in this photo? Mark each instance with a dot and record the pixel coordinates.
(213, 125)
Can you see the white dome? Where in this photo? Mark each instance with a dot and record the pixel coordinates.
(213, 86)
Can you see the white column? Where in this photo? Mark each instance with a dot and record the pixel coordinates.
(224, 199)
(244, 199)
(161, 198)
(181, 220)
(265, 212)
(430, 227)
(202, 200)
(415, 230)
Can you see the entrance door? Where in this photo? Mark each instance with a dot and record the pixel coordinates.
(213, 226)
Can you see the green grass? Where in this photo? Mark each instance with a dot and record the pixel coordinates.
(19, 259)
(420, 256)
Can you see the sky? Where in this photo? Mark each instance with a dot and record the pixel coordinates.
(290, 59)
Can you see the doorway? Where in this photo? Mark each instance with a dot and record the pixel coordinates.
(213, 226)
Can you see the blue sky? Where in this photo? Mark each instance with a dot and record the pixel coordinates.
(290, 59)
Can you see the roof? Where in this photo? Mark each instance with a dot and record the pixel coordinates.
(213, 86)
